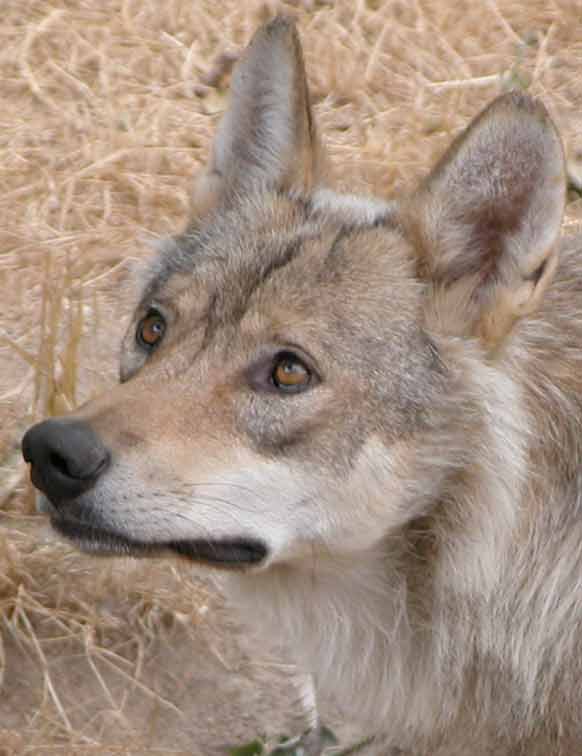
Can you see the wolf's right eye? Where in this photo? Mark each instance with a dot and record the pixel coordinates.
(150, 330)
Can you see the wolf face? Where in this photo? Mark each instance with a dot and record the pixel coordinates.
(262, 391)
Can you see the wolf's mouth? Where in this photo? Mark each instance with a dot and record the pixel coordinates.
(224, 552)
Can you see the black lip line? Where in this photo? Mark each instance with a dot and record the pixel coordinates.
(221, 551)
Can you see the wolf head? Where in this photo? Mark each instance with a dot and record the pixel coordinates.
(308, 372)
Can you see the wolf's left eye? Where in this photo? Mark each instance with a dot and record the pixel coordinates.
(289, 374)
(150, 330)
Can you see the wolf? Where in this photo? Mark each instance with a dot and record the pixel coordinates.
(367, 414)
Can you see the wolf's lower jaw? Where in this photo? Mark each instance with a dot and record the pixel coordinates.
(231, 553)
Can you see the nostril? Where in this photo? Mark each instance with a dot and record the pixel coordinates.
(57, 462)
(77, 465)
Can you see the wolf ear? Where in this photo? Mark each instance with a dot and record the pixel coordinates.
(267, 137)
(487, 219)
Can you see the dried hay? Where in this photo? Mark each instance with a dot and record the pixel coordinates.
(107, 110)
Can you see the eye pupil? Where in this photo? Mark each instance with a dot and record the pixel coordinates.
(151, 329)
(290, 374)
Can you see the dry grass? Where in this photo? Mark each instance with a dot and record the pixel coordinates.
(108, 110)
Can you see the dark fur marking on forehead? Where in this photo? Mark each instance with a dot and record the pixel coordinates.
(389, 220)
(291, 251)
(178, 254)
(211, 322)
(301, 201)
(231, 306)
(337, 245)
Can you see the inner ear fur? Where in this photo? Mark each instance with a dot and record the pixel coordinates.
(267, 137)
(486, 221)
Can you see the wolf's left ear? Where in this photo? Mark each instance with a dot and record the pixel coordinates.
(487, 220)
(267, 137)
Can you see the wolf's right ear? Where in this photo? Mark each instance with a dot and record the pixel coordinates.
(267, 137)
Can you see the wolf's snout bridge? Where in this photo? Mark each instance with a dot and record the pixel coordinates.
(66, 457)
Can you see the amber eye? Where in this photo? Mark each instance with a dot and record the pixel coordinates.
(290, 374)
(151, 329)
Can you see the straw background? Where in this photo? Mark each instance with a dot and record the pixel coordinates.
(107, 111)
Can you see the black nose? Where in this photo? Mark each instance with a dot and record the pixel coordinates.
(66, 457)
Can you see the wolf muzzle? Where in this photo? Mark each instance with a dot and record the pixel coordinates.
(66, 457)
